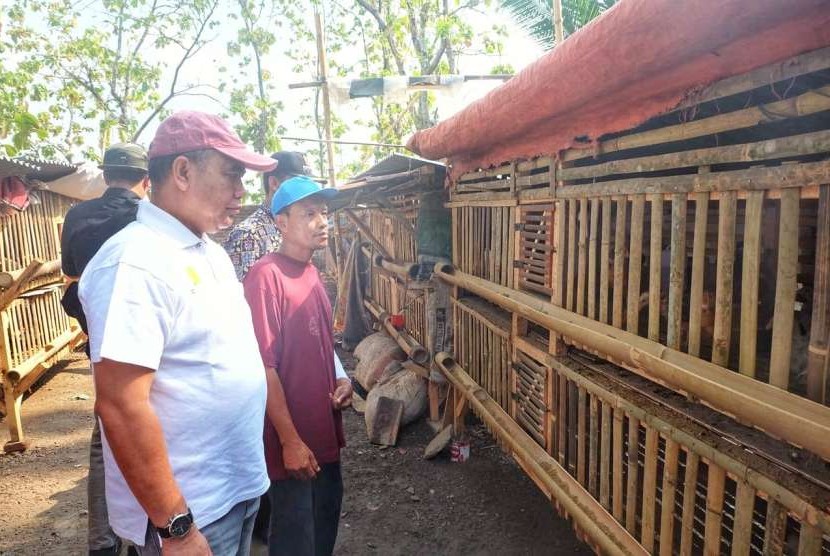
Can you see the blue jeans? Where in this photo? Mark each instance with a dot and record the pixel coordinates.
(230, 535)
(305, 514)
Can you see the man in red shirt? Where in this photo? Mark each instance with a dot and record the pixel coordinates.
(292, 322)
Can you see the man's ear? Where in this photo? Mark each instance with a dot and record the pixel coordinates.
(273, 184)
(281, 221)
(182, 172)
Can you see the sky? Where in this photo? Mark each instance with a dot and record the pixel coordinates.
(518, 51)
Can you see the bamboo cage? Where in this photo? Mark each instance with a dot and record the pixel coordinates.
(651, 317)
(36, 332)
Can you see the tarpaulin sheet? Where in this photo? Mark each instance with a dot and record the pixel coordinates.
(639, 59)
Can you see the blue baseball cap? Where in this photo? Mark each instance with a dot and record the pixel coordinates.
(296, 189)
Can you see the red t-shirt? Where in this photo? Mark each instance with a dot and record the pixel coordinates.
(293, 326)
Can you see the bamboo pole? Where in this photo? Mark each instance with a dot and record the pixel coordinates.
(570, 289)
(779, 413)
(785, 285)
(361, 226)
(617, 473)
(742, 528)
(604, 259)
(667, 501)
(817, 356)
(635, 264)
(619, 262)
(605, 457)
(698, 263)
(581, 437)
(714, 510)
(776, 528)
(49, 267)
(586, 512)
(677, 271)
(689, 495)
(655, 264)
(631, 494)
(593, 445)
(592, 259)
(558, 25)
(413, 349)
(649, 489)
(722, 335)
(749, 283)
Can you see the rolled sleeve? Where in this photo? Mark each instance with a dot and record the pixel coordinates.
(129, 313)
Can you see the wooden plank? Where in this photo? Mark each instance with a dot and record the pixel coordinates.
(776, 528)
(742, 527)
(698, 264)
(714, 510)
(810, 102)
(384, 427)
(605, 457)
(593, 446)
(817, 356)
(770, 149)
(592, 259)
(633, 474)
(689, 494)
(668, 496)
(722, 335)
(749, 282)
(655, 264)
(677, 271)
(571, 285)
(635, 264)
(619, 262)
(604, 260)
(617, 472)
(582, 269)
(785, 286)
(649, 489)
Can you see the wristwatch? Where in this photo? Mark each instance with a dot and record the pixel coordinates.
(178, 526)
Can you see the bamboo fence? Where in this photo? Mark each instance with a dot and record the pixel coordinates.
(694, 252)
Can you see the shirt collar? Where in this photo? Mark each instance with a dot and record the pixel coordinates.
(167, 225)
(120, 192)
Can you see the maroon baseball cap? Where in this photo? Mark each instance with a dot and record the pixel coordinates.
(188, 131)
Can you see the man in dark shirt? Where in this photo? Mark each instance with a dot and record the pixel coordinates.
(86, 228)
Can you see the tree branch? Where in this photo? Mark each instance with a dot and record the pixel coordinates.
(387, 32)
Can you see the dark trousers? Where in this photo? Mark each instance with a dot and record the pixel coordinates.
(305, 514)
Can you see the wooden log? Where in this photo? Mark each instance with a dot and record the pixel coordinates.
(817, 356)
(677, 271)
(785, 286)
(49, 267)
(592, 259)
(668, 496)
(722, 336)
(714, 510)
(687, 519)
(742, 527)
(649, 490)
(579, 505)
(631, 494)
(37, 362)
(779, 413)
(605, 457)
(26, 276)
(619, 263)
(698, 264)
(582, 269)
(655, 254)
(604, 260)
(810, 102)
(635, 264)
(617, 473)
(750, 282)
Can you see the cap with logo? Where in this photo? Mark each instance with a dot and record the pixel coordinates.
(189, 131)
(125, 155)
(296, 189)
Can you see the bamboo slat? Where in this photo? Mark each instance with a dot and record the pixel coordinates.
(689, 495)
(742, 527)
(619, 262)
(571, 285)
(604, 261)
(593, 446)
(677, 271)
(617, 472)
(631, 495)
(785, 285)
(722, 335)
(582, 438)
(750, 282)
(698, 262)
(668, 497)
(592, 259)
(649, 490)
(714, 510)
(635, 263)
(655, 263)
(817, 356)
(581, 273)
(605, 457)
(809, 541)
(775, 529)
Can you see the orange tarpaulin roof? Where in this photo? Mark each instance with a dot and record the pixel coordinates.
(639, 59)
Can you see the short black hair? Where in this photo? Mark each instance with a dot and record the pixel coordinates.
(123, 176)
(159, 168)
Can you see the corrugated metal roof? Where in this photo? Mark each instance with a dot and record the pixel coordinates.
(395, 164)
(34, 167)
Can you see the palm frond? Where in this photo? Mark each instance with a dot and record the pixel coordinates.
(534, 16)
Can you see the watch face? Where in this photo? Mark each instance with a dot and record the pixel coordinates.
(181, 525)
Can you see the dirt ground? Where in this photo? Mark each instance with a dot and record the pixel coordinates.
(395, 502)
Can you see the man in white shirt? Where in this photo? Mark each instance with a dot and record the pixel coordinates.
(179, 383)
